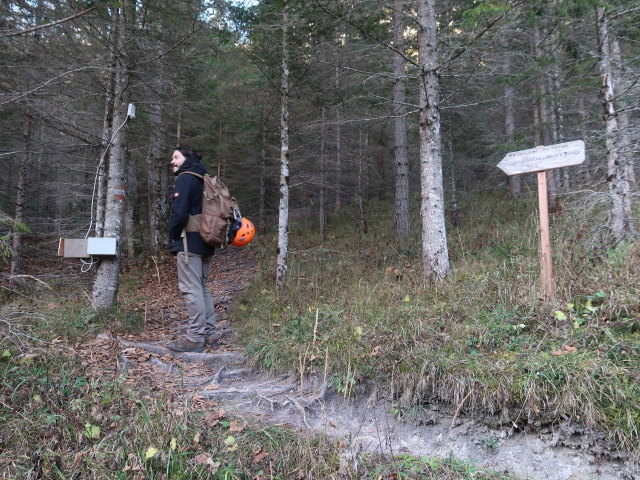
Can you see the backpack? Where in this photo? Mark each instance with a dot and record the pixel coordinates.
(220, 218)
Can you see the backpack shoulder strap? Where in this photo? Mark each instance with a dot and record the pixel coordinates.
(201, 177)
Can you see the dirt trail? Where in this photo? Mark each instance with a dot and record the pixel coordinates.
(219, 376)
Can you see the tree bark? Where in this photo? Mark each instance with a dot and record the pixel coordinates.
(624, 124)
(21, 196)
(105, 287)
(435, 254)
(402, 218)
(509, 118)
(361, 157)
(322, 213)
(544, 132)
(157, 166)
(620, 219)
(338, 203)
(262, 223)
(101, 191)
(132, 185)
(283, 211)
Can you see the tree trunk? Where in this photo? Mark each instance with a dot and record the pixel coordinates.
(338, 203)
(363, 217)
(157, 166)
(624, 124)
(620, 219)
(130, 205)
(283, 211)
(262, 223)
(402, 219)
(509, 119)
(435, 254)
(557, 113)
(584, 170)
(179, 128)
(455, 213)
(21, 196)
(101, 180)
(105, 287)
(322, 214)
(544, 132)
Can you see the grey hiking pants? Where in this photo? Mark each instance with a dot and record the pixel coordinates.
(192, 282)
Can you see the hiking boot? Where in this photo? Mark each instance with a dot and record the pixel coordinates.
(186, 346)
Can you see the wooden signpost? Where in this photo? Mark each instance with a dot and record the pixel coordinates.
(540, 160)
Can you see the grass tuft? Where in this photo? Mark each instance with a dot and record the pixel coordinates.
(356, 308)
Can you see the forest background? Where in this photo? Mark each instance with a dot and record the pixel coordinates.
(371, 128)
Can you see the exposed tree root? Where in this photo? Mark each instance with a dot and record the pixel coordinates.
(189, 357)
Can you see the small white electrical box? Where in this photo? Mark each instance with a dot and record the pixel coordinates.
(102, 246)
(87, 247)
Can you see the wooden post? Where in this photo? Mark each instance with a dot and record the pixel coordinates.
(545, 237)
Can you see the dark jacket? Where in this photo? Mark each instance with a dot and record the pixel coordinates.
(187, 200)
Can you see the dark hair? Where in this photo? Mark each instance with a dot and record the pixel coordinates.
(189, 152)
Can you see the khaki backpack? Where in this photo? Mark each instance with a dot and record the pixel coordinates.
(220, 215)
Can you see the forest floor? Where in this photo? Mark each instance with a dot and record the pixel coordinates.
(221, 379)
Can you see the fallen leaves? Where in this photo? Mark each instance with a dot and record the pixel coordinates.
(565, 349)
(259, 455)
(213, 419)
(204, 459)
(235, 427)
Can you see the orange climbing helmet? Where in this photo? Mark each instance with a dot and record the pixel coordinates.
(245, 233)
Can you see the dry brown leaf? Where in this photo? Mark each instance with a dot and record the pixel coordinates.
(77, 459)
(213, 419)
(133, 464)
(333, 424)
(565, 349)
(196, 439)
(202, 458)
(259, 455)
(235, 427)
(212, 386)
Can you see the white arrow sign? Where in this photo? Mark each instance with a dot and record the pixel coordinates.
(543, 158)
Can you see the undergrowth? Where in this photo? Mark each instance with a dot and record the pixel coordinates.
(61, 419)
(356, 309)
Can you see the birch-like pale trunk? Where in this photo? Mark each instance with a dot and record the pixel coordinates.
(101, 190)
(105, 287)
(624, 123)
(21, 195)
(435, 254)
(620, 219)
(283, 211)
(400, 152)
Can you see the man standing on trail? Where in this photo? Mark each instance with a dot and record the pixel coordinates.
(192, 254)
